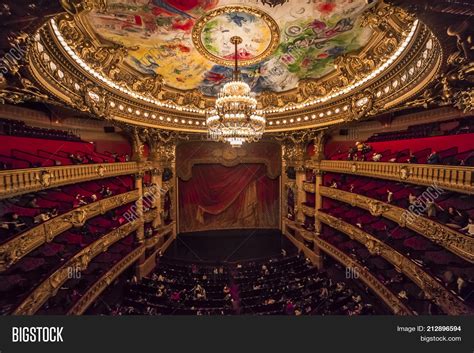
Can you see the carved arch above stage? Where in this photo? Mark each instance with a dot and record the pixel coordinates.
(205, 152)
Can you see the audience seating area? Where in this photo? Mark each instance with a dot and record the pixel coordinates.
(449, 208)
(384, 271)
(287, 285)
(58, 149)
(75, 288)
(452, 127)
(453, 144)
(22, 277)
(23, 212)
(19, 128)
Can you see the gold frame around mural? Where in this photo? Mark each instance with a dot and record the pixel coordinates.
(75, 82)
(269, 21)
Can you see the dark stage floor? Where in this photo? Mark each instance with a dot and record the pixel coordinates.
(228, 245)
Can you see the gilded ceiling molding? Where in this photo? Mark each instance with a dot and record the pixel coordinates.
(454, 87)
(70, 63)
(456, 242)
(432, 288)
(294, 144)
(15, 84)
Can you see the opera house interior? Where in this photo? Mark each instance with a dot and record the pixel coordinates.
(236, 157)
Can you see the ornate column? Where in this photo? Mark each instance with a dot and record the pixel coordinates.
(284, 195)
(301, 194)
(293, 145)
(157, 187)
(318, 149)
(140, 233)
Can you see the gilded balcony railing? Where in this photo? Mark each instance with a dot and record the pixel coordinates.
(151, 215)
(307, 210)
(433, 288)
(458, 243)
(387, 296)
(309, 187)
(98, 287)
(20, 181)
(78, 262)
(455, 178)
(13, 250)
(152, 241)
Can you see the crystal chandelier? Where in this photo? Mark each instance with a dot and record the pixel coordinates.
(235, 118)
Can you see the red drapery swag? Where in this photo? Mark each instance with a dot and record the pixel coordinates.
(219, 197)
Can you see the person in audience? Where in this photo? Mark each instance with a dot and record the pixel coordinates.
(105, 191)
(79, 201)
(461, 285)
(389, 196)
(175, 296)
(403, 295)
(42, 217)
(57, 163)
(469, 229)
(33, 203)
(433, 158)
(289, 307)
(93, 198)
(376, 157)
(283, 252)
(412, 159)
(75, 159)
(13, 222)
(411, 199)
(334, 184)
(431, 209)
(456, 219)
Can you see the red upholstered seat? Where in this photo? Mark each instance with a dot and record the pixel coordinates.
(14, 163)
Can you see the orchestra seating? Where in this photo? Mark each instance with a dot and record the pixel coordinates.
(285, 285)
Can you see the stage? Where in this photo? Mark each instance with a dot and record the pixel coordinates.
(228, 245)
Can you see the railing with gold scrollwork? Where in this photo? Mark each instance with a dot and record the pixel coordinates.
(105, 280)
(98, 287)
(458, 243)
(152, 241)
(13, 250)
(78, 262)
(308, 210)
(20, 181)
(455, 178)
(309, 187)
(150, 215)
(433, 289)
(387, 296)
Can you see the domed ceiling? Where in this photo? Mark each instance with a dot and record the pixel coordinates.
(188, 42)
(160, 63)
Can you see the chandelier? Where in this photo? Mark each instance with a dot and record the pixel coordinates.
(235, 118)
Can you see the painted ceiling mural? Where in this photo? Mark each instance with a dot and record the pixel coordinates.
(312, 33)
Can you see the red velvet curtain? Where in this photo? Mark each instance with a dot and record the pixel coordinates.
(219, 197)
